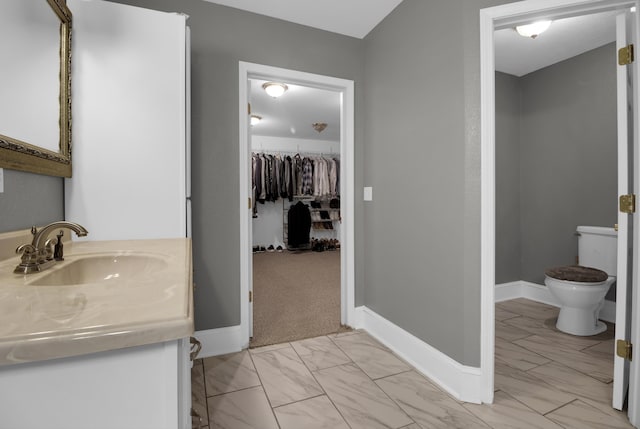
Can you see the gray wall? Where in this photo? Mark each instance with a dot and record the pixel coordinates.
(30, 199)
(422, 157)
(508, 214)
(567, 159)
(221, 37)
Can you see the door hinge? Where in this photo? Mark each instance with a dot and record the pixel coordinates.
(248, 108)
(625, 55)
(628, 203)
(250, 296)
(624, 349)
(250, 205)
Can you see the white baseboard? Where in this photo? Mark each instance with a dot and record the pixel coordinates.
(540, 293)
(507, 291)
(463, 382)
(220, 341)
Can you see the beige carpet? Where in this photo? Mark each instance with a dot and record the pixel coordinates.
(296, 296)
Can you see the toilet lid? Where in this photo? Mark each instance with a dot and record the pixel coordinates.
(576, 273)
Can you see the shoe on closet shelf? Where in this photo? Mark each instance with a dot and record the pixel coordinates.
(318, 246)
(271, 248)
(256, 249)
(279, 249)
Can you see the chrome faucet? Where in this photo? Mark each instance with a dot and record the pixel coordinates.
(39, 255)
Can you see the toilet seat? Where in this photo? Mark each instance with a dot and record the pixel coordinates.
(577, 274)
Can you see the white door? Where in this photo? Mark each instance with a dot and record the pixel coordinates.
(251, 203)
(624, 284)
(634, 373)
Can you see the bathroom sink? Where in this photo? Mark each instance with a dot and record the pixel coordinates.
(102, 268)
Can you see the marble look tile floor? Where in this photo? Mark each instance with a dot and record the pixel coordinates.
(543, 379)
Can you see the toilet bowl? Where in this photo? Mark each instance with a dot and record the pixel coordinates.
(580, 289)
(580, 304)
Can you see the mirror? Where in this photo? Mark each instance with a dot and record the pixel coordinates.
(35, 87)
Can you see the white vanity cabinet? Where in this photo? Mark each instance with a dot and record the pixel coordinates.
(111, 353)
(133, 388)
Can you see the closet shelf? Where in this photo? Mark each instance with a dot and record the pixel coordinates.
(316, 197)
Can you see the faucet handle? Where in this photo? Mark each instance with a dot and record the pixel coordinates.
(28, 252)
(49, 248)
(29, 260)
(25, 249)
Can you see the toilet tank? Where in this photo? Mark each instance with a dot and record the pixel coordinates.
(598, 248)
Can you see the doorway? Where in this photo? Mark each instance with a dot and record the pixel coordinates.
(556, 169)
(295, 158)
(491, 19)
(345, 90)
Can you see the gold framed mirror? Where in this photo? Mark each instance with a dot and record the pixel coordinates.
(35, 111)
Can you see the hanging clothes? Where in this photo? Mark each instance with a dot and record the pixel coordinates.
(273, 179)
(299, 218)
(307, 176)
(296, 174)
(333, 176)
(288, 193)
(337, 187)
(321, 187)
(275, 176)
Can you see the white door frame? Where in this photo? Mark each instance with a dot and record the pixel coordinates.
(492, 19)
(347, 182)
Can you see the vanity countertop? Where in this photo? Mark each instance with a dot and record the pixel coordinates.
(47, 322)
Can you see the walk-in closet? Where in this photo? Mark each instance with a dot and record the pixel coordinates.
(295, 180)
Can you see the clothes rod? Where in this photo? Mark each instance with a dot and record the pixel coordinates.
(285, 152)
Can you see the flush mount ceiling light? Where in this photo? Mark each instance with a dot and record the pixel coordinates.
(319, 126)
(255, 119)
(274, 89)
(533, 30)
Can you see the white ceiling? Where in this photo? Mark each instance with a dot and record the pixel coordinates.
(355, 18)
(292, 114)
(301, 106)
(515, 54)
(564, 39)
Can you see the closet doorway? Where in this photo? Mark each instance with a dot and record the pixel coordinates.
(297, 236)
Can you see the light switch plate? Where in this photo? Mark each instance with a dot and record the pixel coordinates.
(368, 193)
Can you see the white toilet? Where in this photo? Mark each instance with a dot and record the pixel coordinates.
(580, 289)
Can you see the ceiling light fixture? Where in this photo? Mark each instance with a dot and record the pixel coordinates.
(255, 119)
(274, 89)
(533, 30)
(319, 126)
